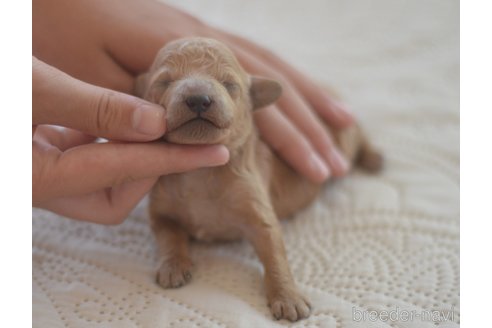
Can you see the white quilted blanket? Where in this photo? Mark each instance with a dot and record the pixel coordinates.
(371, 245)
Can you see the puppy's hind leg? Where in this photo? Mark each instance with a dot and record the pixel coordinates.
(173, 251)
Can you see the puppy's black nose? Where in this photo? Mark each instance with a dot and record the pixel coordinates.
(198, 103)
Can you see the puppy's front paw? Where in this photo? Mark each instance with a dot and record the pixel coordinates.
(289, 305)
(174, 273)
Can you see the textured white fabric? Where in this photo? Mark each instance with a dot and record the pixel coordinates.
(388, 242)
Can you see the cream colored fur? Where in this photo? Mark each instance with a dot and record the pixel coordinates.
(244, 198)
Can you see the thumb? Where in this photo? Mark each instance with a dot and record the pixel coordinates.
(60, 99)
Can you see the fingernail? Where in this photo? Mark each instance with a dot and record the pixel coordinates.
(342, 108)
(342, 111)
(318, 166)
(338, 160)
(149, 119)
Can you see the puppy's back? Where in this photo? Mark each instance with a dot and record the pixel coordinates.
(291, 192)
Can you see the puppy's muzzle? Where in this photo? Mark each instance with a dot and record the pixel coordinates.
(198, 103)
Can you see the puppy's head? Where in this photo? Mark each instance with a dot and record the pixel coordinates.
(207, 95)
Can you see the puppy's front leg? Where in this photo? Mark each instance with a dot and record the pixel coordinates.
(172, 244)
(284, 299)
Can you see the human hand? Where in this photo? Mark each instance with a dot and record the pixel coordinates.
(100, 182)
(292, 126)
(118, 39)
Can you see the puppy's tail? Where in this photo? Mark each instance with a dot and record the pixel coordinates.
(357, 149)
(368, 158)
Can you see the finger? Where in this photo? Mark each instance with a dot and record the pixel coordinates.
(287, 141)
(91, 167)
(62, 138)
(108, 206)
(62, 100)
(106, 72)
(295, 108)
(298, 111)
(326, 105)
(147, 26)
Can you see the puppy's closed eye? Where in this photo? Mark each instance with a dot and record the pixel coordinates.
(163, 83)
(231, 87)
(162, 80)
(158, 88)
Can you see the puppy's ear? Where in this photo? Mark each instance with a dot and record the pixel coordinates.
(264, 92)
